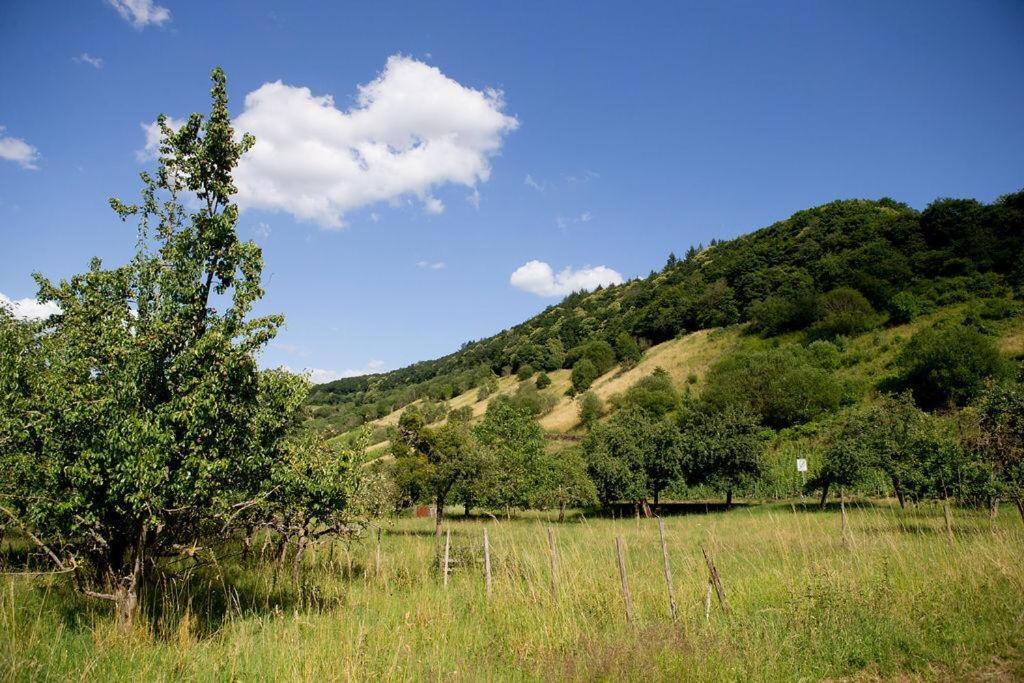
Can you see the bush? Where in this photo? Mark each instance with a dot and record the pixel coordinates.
(905, 307)
(781, 385)
(591, 408)
(843, 312)
(543, 381)
(583, 374)
(653, 394)
(627, 350)
(948, 366)
(524, 373)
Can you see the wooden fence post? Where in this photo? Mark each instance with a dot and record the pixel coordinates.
(949, 519)
(716, 580)
(376, 557)
(447, 548)
(668, 570)
(487, 563)
(554, 562)
(707, 603)
(626, 597)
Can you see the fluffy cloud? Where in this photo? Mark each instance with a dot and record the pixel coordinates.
(86, 58)
(29, 309)
(141, 13)
(152, 130)
(537, 277)
(321, 376)
(18, 151)
(432, 265)
(412, 130)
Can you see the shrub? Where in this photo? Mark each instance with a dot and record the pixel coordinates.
(824, 354)
(843, 311)
(543, 381)
(627, 350)
(525, 372)
(654, 394)
(780, 385)
(583, 374)
(948, 366)
(591, 408)
(905, 307)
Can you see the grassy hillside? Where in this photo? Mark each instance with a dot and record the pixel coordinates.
(899, 262)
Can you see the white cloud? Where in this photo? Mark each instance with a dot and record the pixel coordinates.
(262, 230)
(320, 375)
(141, 13)
(18, 151)
(152, 130)
(432, 265)
(530, 182)
(562, 222)
(537, 277)
(29, 309)
(86, 58)
(412, 130)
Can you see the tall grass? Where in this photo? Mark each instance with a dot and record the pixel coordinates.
(895, 599)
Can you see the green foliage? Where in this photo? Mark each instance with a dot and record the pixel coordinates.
(525, 372)
(529, 399)
(514, 442)
(843, 312)
(723, 448)
(948, 366)
(463, 414)
(779, 385)
(633, 456)
(598, 352)
(543, 381)
(489, 386)
(627, 350)
(905, 307)
(583, 374)
(562, 482)
(824, 354)
(1000, 436)
(138, 419)
(654, 394)
(591, 408)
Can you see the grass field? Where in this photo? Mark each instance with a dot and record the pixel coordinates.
(896, 600)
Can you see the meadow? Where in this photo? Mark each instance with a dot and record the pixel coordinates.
(894, 597)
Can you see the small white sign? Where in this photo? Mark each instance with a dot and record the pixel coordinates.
(801, 464)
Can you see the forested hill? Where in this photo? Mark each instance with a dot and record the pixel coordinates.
(826, 270)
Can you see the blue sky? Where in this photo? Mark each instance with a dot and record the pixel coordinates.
(621, 131)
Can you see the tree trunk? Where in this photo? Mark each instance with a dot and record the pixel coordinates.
(1020, 507)
(824, 495)
(247, 543)
(300, 550)
(465, 509)
(728, 499)
(561, 511)
(900, 496)
(657, 495)
(439, 515)
(645, 508)
(993, 507)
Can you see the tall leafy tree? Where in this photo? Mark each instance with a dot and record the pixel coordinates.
(141, 427)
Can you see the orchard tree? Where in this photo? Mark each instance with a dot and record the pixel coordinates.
(562, 482)
(135, 422)
(1000, 438)
(723, 447)
(513, 442)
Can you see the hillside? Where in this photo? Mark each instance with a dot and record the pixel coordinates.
(896, 261)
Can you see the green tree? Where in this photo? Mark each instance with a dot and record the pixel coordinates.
(562, 482)
(843, 312)
(145, 413)
(591, 408)
(654, 394)
(583, 374)
(525, 372)
(543, 381)
(633, 457)
(627, 350)
(780, 385)
(948, 366)
(724, 448)
(514, 442)
(1000, 438)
